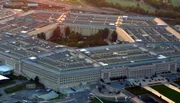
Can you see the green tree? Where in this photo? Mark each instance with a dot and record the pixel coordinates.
(57, 32)
(67, 31)
(114, 36)
(41, 35)
(36, 79)
(105, 33)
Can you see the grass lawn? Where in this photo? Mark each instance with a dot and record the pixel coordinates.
(7, 83)
(169, 93)
(176, 2)
(74, 2)
(15, 88)
(137, 90)
(133, 3)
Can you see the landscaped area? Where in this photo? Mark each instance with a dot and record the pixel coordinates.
(61, 96)
(169, 93)
(7, 83)
(137, 90)
(16, 88)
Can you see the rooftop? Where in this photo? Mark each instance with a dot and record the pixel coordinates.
(29, 21)
(150, 34)
(53, 57)
(21, 47)
(90, 19)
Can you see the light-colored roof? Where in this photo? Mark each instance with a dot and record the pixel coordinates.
(5, 68)
(3, 77)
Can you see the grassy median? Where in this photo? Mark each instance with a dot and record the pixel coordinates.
(15, 88)
(7, 83)
(169, 93)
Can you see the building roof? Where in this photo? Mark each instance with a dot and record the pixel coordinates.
(3, 77)
(5, 68)
(19, 47)
(89, 20)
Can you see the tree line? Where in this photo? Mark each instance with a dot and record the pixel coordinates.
(163, 10)
(74, 39)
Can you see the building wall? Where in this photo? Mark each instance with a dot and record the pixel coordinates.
(141, 71)
(49, 79)
(13, 62)
(48, 30)
(114, 72)
(84, 30)
(123, 36)
(55, 82)
(74, 78)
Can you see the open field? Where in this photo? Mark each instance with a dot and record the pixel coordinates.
(74, 2)
(132, 3)
(176, 2)
(169, 93)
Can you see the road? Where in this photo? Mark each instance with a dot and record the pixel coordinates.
(7, 97)
(80, 97)
(84, 7)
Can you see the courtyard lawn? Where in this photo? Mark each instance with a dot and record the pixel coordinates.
(133, 3)
(137, 90)
(169, 93)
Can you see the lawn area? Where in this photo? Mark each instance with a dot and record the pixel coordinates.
(132, 3)
(169, 93)
(6, 83)
(176, 2)
(137, 90)
(74, 2)
(16, 88)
